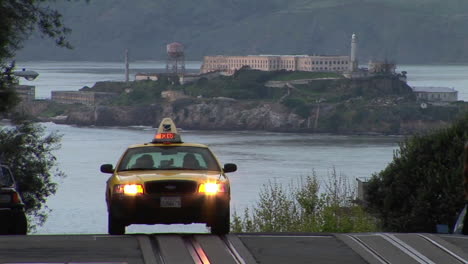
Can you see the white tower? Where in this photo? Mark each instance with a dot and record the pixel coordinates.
(354, 63)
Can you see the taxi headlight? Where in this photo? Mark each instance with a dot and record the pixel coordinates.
(211, 188)
(129, 189)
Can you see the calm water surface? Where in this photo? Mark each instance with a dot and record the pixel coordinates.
(79, 206)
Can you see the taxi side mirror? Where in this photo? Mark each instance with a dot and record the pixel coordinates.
(107, 168)
(229, 167)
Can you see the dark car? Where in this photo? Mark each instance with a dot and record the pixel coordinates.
(12, 217)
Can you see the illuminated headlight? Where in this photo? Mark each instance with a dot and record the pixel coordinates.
(129, 189)
(211, 188)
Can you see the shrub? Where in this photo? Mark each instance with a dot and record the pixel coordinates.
(29, 153)
(292, 102)
(422, 186)
(303, 208)
(182, 103)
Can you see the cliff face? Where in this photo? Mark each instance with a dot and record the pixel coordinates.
(203, 115)
(233, 115)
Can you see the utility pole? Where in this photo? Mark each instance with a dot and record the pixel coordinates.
(126, 66)
(317, 114)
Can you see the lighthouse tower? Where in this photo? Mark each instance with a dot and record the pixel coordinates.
(354, 63)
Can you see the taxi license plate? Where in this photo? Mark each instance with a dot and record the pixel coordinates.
(173, 202)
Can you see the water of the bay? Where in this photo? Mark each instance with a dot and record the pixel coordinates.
(79, 206)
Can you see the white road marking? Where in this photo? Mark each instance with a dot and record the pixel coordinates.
(410, 251)
(195, 250)
(368, 249)
(444, 249)
(232, 250)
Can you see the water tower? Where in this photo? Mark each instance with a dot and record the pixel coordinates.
(175, 58)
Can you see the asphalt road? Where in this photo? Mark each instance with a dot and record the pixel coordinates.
(236, 248)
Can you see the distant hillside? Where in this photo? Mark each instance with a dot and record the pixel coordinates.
(416, 31)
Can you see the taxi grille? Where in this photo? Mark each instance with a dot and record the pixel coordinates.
(169, 187)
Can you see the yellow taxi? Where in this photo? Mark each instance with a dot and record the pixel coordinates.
(168, 181)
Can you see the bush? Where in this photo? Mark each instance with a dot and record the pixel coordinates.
(293, 102)
(140, 93)
(54, 109)
(28, 152)
(182, 103)
(8, 97)
(422, 186)
(303, 208)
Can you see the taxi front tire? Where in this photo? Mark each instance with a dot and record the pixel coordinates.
(115, 226)
(221, 224)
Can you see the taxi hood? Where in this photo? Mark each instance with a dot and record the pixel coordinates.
(153, 175)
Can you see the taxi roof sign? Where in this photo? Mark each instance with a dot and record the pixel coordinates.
(167, 132)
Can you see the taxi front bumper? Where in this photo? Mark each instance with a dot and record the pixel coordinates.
(153, 209)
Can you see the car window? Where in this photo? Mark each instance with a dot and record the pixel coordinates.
(5, 177)
(172, 158)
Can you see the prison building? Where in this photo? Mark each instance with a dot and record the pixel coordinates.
(230, 64)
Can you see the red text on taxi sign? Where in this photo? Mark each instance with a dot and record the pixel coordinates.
(165, 136)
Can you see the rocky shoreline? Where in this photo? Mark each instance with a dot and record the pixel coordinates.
(379, 105)
(232, 115)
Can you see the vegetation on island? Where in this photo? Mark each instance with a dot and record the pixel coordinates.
(299, 75)
(246, 84)
(423, 185)
(24, 146)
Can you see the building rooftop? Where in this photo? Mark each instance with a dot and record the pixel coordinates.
(431, 89)
(277, 55)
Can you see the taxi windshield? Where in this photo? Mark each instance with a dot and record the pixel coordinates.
(168, 158)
